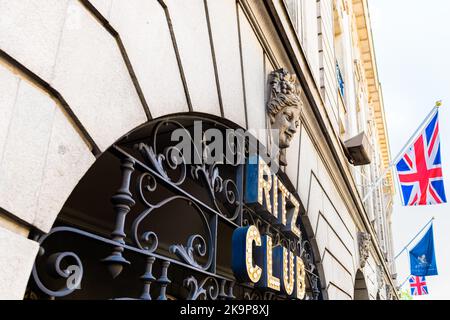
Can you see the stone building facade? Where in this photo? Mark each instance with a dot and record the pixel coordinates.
(77, 76)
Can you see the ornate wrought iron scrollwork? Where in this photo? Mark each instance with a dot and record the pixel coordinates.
(157, 161)
(252, 295)
(258, 295)
(209, 289)
(226, 293)
(195, 245)
(210, 175)
(250, 218)
(158, 178)
(206, 173)
(226, 190)
(312, 273)
(308, 257)
(72, 274)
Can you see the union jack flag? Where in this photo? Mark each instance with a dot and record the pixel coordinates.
(418, 286)
(420, 169)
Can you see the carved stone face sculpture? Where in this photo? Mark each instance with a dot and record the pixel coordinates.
(284, 108)
(287, 121)
(364, 248)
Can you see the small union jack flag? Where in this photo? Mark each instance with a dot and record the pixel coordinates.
(420, 169)
(418, 286)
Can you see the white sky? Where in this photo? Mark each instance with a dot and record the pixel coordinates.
(412, 43)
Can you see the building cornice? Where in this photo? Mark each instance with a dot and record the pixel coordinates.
(374, 90)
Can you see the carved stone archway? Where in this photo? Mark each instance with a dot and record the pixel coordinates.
(361, 292)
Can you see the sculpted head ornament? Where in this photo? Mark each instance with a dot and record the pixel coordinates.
(364, 239)
(284, 108)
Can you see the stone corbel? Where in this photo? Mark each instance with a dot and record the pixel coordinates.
(364, 240)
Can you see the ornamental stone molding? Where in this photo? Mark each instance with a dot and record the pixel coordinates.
(380, 276)
(284, 107)
(389, 292)
(364, 248)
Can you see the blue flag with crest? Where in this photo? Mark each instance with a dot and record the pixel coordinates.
(422, 257)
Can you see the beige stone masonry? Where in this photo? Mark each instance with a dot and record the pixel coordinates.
(16, 262)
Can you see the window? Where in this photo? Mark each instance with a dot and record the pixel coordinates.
(293, 7)
(295, 11)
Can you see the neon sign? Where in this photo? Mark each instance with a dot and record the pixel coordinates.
(267, 267)
(269, 197)
(254, 259)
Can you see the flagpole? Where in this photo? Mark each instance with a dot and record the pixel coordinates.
(406, 247)
(403, 283)
(393, 162)
(418, 233)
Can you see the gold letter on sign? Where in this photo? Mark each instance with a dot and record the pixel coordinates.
(275, 197)
(300, 279)
(292, 216)
(254, 272)
(284, 194)
(284, 266)
(288, 271)
(243, 240)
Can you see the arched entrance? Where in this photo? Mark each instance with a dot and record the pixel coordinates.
(144, 223)
(361, 292)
